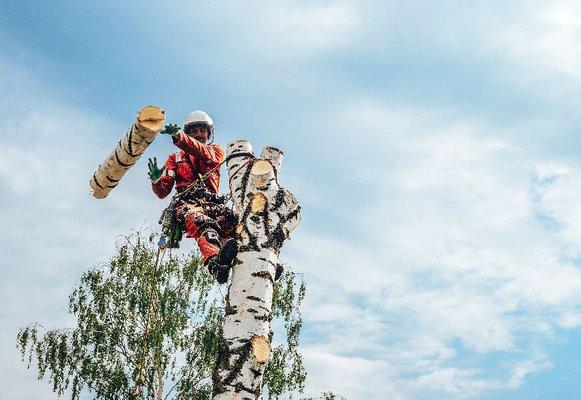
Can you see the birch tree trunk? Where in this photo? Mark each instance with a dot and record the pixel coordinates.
(267, 214)
(148, 123)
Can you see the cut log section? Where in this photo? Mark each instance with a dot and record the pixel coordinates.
(148, 123)
(267, 214)
(260, 349)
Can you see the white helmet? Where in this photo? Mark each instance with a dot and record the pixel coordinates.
(200, 118)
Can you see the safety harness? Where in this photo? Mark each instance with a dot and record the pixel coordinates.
(171, 231)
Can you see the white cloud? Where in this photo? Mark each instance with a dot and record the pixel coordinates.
(52, 229)
(466, 247)
(547, 37)
(255, 36)
(308, 28)
(570, 320)
(452, 265)
(352, 377)
(452, 381)
(557, 189)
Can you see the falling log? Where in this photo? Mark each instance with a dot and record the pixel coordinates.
(148, 123)
(267, 214)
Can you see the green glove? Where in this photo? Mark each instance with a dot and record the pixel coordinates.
(154, 172)
(171, 129)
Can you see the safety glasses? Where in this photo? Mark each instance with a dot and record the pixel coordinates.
(191, 129)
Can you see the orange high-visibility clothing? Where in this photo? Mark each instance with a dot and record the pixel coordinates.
(182, 169)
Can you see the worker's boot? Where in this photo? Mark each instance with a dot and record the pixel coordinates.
(220, 264)
(278, 272)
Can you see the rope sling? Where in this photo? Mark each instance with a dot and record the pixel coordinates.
(171, 232)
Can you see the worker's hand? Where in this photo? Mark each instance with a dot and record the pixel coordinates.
(154, 172)
(171, 129)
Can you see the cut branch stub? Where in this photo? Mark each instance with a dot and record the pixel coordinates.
(258, 202)
(273, 155)
(239, 229)
(262, 173)
(260, 349)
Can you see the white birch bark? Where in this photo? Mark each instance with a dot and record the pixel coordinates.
(148, 123)
(267, 213)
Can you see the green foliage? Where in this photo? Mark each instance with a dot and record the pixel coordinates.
(326, 396)
(285, 371)
(147, 327)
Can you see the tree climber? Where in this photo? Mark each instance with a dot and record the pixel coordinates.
(197, 207)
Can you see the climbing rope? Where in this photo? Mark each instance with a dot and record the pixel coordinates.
(201, 178)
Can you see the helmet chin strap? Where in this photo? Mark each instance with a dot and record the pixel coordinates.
(211, 134)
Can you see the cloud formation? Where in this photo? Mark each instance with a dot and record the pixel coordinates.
(468, 251)
(433, 147)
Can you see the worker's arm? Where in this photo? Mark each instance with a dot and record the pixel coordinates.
(211, 153)
(162, 184)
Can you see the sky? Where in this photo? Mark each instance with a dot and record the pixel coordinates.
(434, 147)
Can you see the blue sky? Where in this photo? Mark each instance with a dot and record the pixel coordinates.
(434, 147)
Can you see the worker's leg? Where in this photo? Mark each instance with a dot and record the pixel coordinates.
(227, 222)
(201, 228)
(217, 255)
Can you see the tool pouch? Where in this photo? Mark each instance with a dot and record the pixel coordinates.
(171, 232)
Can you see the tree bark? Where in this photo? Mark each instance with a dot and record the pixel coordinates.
(267, 214)
(148, 123)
